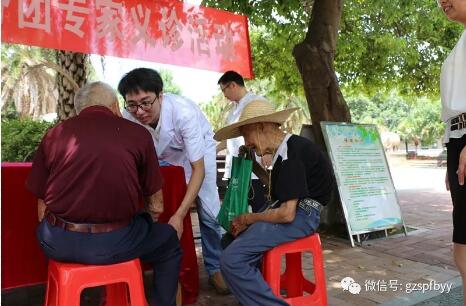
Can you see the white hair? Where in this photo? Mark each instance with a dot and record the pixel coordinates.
(95, 93)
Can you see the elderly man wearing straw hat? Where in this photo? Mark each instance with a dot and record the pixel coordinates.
(301, 181)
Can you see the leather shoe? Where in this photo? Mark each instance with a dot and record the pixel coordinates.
(216, 280)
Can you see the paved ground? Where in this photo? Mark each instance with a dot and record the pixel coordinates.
(454, 297)
(389, 270)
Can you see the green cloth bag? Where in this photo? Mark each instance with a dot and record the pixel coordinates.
(235, 202)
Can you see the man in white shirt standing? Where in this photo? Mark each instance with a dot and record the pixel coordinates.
(232, 85)
(183, 137)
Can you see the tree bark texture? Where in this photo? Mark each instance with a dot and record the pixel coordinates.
(75, 65)
(315, 60)
(314, 57)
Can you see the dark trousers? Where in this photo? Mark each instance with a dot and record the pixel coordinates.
(154, 243)
(458, 193)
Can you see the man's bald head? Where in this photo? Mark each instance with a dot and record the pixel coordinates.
(93, 94)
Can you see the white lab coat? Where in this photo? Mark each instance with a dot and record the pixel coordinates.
(233, 144)
(184, 135)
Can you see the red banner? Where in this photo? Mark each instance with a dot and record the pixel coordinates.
(169, 32)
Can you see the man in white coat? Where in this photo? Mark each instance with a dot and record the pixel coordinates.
(183, 137)
(232, 86)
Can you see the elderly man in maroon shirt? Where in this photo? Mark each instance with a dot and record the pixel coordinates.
(89, 174)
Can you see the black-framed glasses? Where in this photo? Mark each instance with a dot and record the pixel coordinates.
(225, 87)
(145, 106)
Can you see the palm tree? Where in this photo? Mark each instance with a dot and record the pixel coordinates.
(28, 85)
(76, 67)
(36, 81)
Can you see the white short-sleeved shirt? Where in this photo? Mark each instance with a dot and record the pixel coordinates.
(183, 135)
(453, 87)
(234, 143)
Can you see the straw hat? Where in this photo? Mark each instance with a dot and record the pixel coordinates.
(256, 111)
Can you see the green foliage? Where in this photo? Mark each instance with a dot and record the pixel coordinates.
(413, 119)
(20, 138)
(168, 84)
(383, 45)
(272, 60)
(216, 111)
(384, 110)
(386, 45)
(10, 112)
(422, 123)
(14, 55)
(276, 26)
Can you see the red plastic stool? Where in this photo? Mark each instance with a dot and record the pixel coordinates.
(293, 280)
(66, 281)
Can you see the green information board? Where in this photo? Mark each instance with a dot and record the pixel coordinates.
(364, 181)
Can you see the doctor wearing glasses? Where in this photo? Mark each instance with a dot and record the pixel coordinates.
(183, 137)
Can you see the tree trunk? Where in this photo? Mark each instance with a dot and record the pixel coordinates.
(75, 64)
(314, 57)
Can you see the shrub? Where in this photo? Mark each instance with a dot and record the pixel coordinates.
(20, 138)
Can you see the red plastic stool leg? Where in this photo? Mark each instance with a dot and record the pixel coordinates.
(130, 292)
(136, 290)
(117, 295)
(271, 271)
(293, 280)
(51, 292)
(319, 272)
(58, 294)
(69, 292)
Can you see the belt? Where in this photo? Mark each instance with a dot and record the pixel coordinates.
(85, 227)
(458, 122)
(308, 205)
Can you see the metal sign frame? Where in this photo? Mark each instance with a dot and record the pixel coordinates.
(324, 125)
